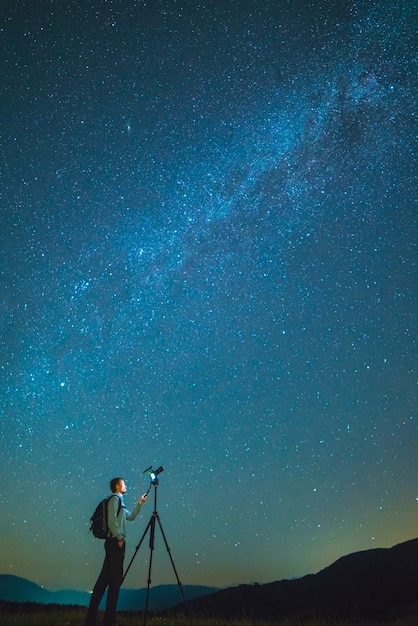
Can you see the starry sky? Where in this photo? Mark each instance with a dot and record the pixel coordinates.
(208, 262)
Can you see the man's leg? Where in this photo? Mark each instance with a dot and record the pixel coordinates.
(116, 555)
(98, 590)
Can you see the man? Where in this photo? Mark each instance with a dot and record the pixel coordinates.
(111, 574)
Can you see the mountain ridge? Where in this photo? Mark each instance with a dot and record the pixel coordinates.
(379, 583)
(161, 597)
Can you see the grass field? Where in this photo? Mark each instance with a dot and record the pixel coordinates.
(74, 616)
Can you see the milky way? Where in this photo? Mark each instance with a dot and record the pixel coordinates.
(208, 262)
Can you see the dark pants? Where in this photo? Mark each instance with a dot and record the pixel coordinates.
(111, 577)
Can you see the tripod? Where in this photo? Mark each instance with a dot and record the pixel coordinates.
(155, 518)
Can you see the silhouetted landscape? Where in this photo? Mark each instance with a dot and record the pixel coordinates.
(379, 585)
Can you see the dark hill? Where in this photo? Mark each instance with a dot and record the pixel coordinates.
(374, 584)
(20, 590)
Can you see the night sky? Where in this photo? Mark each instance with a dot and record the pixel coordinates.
(208, 262)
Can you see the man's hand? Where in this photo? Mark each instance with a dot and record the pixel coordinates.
(143, 499)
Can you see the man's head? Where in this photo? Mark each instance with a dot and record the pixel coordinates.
(117, 485)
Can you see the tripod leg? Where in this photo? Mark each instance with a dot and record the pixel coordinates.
(151, 547)
(174, 568)
(137, 548)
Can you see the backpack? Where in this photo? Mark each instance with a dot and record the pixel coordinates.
(98, 521)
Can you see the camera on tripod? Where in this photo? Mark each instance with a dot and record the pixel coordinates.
(151, 526)
(153, 474)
